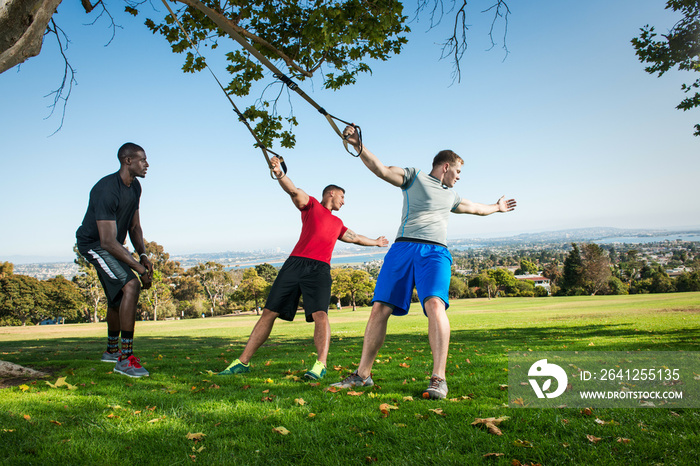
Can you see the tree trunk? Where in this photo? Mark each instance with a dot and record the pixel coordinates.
(22, 27)
(10, 370)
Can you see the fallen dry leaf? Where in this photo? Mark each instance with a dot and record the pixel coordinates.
(587, 411)
(196, 437)
(492, 455)
(27, 417)
(403, 364)
(280, 430)
(438, 411)
(593, 438)
(61, 382)
(602, 422)
(385, 408)
(23, 387)
(523, 443)
(491, 423)
(331, 389)
(300, 401)
(352, 393)
(56, 422)
(407, 398)
(623, 440)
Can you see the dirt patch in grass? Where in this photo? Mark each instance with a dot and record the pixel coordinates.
(16, 381)
(691, 311)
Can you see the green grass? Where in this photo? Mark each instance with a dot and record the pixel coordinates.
(112, 419)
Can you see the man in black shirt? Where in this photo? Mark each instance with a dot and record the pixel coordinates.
(113, 211)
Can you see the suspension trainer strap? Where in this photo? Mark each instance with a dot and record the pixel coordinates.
(240, 115)
(223, 24)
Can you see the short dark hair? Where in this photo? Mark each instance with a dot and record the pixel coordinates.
(129, 150)
(447, 156)
(331, 187)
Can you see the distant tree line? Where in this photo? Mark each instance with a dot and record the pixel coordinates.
(211, 288)
(207, 289)
(587, 269)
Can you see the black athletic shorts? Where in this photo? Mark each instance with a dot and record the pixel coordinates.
(300, 276)
(113, 273)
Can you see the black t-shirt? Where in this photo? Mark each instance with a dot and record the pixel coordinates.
(110, 199)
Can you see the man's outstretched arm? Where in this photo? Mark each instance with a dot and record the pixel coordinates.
(393, 175)
(351, 237)
(299, 197)
(476, 208)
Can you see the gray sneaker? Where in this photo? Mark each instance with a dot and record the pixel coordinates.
(437, 390)
(131, 366)
(110, 357)
(354, 380)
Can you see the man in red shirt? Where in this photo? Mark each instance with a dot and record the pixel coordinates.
(306, 272)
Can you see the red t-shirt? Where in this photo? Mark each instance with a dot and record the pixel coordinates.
(320, 229)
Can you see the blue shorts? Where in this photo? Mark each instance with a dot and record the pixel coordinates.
(428, 267)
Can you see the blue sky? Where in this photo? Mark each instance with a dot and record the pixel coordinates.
(569, 124)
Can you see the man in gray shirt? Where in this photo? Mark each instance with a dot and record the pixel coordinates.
(419, 257)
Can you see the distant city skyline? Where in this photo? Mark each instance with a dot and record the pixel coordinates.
(568, 123)
(342, 249)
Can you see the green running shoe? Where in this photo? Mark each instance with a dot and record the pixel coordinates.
(316, 372)
(236, 367)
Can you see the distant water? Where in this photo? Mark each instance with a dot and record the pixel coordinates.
(648, 239)
(359, 259)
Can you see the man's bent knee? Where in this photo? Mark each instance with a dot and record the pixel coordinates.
(132, 286)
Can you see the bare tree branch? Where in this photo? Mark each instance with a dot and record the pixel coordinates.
(456, 45)
(105, 11)
(500, 5)
(61, 94)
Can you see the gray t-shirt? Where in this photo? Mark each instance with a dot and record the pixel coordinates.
(426, 207)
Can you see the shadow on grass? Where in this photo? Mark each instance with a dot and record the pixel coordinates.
(214, 353)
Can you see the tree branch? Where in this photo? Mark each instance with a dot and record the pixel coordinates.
(224, 23)
(22, 27)
(68, 76)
